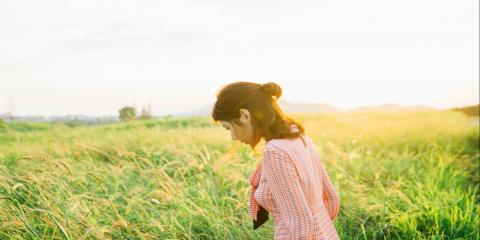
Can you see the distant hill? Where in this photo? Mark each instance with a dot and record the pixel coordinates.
(288, 107)
(469, 110)
(391, 107)
(293, 107)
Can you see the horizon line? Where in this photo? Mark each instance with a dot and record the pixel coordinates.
(185, 113)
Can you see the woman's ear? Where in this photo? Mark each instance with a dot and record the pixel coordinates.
(245, 116)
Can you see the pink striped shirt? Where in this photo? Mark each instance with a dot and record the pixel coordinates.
(291, 184)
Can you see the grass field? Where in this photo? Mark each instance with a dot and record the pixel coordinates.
(399, 176)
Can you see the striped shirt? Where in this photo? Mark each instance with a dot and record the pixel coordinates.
(291, 184)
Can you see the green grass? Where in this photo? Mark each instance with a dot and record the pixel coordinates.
(399, 176)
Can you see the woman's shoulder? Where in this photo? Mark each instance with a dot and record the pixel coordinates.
(286, 144)
(279, 143)
(289, 144)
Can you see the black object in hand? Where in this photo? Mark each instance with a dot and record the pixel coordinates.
(262, 217)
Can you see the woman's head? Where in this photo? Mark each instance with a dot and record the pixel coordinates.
(250, 112)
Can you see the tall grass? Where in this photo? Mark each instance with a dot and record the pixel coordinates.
(400, 176)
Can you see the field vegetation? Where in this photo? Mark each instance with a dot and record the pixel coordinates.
(399, 176)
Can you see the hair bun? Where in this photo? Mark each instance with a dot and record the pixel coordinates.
(272, 89)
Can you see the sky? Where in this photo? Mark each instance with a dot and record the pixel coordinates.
(94, 57)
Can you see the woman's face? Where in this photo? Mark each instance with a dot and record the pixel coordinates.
(241, 131)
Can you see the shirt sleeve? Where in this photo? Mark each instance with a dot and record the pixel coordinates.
(331, 200)
(287, 193)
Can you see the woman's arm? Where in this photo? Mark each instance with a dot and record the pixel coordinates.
(287, 193)
(331, 200)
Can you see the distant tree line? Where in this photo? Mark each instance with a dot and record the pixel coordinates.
(129, 113)
(470, 111)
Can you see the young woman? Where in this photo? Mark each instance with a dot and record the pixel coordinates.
(291, 182)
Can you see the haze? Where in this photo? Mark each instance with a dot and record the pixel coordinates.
(93, 57)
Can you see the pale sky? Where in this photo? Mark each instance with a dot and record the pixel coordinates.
(93, 57)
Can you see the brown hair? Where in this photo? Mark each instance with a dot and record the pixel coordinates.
(268, 120)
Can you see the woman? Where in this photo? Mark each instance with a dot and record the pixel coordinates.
(291, 182)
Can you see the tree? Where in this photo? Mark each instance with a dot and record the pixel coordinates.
(127, 113)
(146, 114)
(147, 111)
